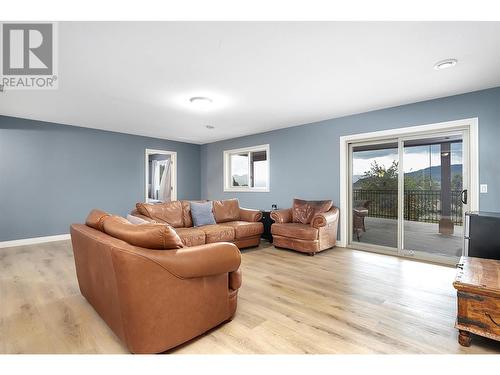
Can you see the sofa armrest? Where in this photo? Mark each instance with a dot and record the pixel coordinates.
(247, 214)
(192, 262)
(325, 218)
(235, 279)
(282, 216)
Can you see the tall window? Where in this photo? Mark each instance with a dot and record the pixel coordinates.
(247, 169)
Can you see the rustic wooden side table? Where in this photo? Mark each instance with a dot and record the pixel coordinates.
(478, 295)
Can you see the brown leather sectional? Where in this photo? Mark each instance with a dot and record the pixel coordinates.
(153, 291)
(237, 225)
(158, 286)
(308, 227)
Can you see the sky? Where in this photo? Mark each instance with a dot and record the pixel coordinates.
(415, 158)
(239, 166)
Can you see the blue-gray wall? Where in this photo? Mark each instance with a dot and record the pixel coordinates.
(305, 159)
(51, 175)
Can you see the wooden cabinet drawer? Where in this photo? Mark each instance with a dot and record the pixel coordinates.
(478, 312)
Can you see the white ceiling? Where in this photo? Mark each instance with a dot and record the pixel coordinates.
(137, 77)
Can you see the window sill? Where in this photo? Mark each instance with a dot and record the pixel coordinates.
(246, 190)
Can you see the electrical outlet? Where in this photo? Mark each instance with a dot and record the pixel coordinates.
(483, 188)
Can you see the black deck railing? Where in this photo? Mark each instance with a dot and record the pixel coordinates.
(419, 205)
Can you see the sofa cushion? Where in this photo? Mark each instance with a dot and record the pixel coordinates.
(295, 230)
(244, 229)
(149, 236)
(167, 212)
(217, 233)
(303, 211)
(95, 219)
(202, 213)
(226, 210)
(191, 236)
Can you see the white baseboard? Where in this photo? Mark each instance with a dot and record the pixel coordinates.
(35, 240)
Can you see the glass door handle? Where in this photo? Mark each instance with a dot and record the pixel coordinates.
(463, 198)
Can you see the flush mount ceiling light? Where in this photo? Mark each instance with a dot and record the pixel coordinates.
(201, 102)
(210, 127)
(445, 64)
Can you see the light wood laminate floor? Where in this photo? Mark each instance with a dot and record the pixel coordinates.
(339, 301)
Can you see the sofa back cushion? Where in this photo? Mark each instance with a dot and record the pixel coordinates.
(202, 213)
(168, 212)
(149, 236)
(303, 211)
(186, 214)
(95, 219)
(226, 210)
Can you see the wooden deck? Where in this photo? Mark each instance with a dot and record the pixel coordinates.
(418, 236)
(339, 301)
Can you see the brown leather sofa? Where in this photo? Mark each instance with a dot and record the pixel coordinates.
(308, 227)
(237, 225)
(151, 290)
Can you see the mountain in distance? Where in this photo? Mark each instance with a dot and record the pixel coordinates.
(241, 180)
(435, 173)
(356, 177)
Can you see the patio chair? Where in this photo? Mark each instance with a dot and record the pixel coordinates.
(359, 212)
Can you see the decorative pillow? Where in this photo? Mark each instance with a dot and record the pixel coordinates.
(202, 213)
(136, 220)
(303, 211)
(186, 213)
(149, 236)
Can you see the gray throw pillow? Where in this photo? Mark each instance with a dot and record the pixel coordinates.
(202, 213)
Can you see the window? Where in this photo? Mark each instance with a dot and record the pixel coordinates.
(247, 169)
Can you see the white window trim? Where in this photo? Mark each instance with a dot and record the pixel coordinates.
(227, 171)
(471, 125)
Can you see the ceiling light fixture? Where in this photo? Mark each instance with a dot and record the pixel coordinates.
(201, 102)
(445, 64)
(210, 127)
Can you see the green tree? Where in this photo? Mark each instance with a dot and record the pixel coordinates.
(421, 183)
(378, 177)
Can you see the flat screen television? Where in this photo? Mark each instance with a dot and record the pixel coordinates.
(482, 235)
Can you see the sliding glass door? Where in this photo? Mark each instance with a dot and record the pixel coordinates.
(374, 203)
(434, 195)
(407, 195)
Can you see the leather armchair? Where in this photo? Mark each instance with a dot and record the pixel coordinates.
(317, 235)
(154, 300)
